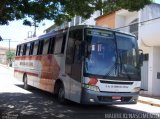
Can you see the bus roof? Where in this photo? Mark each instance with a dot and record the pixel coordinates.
(47, 35)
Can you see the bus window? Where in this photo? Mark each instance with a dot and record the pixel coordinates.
(40, 47)
(35, 49)
(63, 43)
(17, 49)
(51, 45)
(45, 46)
(27, 49)
(24, 49)
(31, 48)
(58, 44)
(73, 55)
(21, 50)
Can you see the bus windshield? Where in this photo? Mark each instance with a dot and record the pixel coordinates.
(110, 54)
(127, 55)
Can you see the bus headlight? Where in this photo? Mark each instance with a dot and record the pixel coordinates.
(91, 87)
(136, 89)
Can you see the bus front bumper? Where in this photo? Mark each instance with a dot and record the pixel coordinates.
(93, 97)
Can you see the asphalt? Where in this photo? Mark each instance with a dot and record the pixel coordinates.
(145, 99)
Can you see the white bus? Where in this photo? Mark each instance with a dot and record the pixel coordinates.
(84, 64)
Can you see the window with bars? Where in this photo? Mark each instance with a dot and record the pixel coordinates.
(133, 28)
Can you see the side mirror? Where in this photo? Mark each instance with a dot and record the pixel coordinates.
(140, 57)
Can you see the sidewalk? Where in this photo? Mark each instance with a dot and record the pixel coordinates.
(10, 68)
(150, 100)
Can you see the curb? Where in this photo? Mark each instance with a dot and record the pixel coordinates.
(149, 103)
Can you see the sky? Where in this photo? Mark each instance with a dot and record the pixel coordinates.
(157, 1)
(17, 32)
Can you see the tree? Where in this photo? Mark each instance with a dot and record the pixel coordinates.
(131, 5)
(10, 56)
(60, 10)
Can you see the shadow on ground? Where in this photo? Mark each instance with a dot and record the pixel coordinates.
(43, 105)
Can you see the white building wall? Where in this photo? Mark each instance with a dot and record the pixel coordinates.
(124, 18)
(150, 33)
(150, 26)
(150, 70)
(119, 21)
(149, 42)
(91, 20)
(156, 69)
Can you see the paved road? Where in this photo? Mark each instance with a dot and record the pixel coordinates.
(17, 103)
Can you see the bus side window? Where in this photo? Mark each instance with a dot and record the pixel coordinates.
(21, 50)
(51, 45)
(40, 47)
(17, 49)
(45, 46)
(35, 48)
(27, 49)
(63, 43)
(31, 48)
(58, 44)
(24, 49)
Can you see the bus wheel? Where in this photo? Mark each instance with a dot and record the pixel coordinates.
(26, 86)
(61, 94)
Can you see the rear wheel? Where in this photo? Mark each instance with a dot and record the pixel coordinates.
(25, 79)
(61, 95)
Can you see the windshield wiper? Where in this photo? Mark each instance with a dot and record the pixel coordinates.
(113, 68)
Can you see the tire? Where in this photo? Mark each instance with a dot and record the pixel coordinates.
(61, 95)
(25, 79)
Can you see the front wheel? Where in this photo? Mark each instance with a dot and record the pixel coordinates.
(61, 95)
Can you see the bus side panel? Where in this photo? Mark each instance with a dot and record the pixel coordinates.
(49, 73)
(27, 65)
(18, 74)
(42, 71)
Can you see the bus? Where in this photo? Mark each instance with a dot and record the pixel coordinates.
(84, 64)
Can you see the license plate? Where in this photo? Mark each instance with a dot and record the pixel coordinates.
(116, 97)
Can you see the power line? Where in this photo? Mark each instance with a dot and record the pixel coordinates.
(138, 23)
(10, 41)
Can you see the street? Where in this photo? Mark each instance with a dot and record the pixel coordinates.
(17, 103)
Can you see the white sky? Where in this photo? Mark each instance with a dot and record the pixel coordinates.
(16, 31)
(157, 1)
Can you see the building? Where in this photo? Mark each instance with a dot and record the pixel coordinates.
(75, 21)
(145, 24)
(3, 57)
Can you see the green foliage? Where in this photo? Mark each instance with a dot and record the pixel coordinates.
(60, 10)
(131, 5)
(10, 56)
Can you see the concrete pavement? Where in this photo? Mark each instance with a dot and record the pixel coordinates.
(154, 101)
(149, 100)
